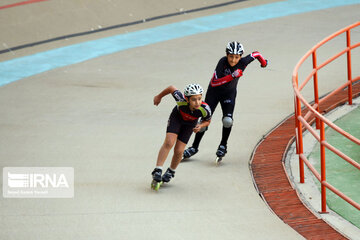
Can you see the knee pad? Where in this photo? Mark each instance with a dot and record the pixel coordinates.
(203, 129)
(227, 122)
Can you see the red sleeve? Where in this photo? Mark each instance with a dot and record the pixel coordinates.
(260, 58)
(217, 82)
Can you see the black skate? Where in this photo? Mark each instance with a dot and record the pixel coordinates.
(188, 153)
(220, 153)
(157, 180)
(168, 175)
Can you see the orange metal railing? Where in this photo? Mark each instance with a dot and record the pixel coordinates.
(301, 122)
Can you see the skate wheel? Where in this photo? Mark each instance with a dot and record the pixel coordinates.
(155, 185)
(218, 160)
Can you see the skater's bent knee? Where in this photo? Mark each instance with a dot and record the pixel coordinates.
(227, 122)
(168, 144)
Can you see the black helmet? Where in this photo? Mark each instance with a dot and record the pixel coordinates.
(234, 48)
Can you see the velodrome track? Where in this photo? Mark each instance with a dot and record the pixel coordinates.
(97, 116)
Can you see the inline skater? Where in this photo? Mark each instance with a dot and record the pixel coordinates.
(222, 89)
(182, 122)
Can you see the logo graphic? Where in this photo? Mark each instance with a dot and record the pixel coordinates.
(227, 71)
(18, 180)
(21, 182)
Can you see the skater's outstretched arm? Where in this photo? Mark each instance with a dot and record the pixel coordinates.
(166, 91)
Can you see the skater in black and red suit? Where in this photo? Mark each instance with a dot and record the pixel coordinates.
(183, 121)
(222, 89)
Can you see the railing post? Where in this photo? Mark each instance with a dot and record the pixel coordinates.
(296, 124)
(316, 88)
(300, 140)
(348, 44)
(323, 167)
(298, 129)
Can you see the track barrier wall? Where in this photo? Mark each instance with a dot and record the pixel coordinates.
(305, 111)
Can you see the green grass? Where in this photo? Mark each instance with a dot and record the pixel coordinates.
(340, 173)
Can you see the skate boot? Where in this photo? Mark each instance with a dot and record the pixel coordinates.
(168, 175)
(191, 151)
(156, 182)
(220, 153)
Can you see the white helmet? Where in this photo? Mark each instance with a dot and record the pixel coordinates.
(234, 48)
(193, 89)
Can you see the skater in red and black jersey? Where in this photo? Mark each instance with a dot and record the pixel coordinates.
(183, 121)
(222, 89)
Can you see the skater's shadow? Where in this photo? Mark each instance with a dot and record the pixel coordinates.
(166, 185)
(188, 160)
